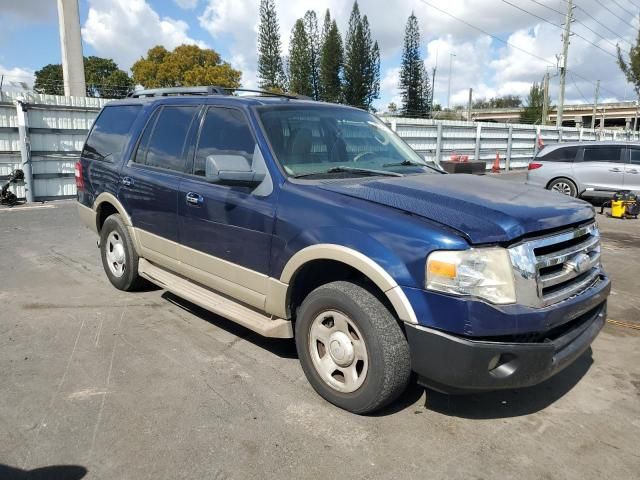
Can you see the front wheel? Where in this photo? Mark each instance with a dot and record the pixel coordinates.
(351, 347)
(565, 186)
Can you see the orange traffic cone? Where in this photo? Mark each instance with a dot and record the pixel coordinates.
(496, 164)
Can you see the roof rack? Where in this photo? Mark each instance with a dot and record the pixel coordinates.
(207, 90)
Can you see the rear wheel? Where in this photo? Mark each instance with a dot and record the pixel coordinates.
(565, 186)
(119, 257)
(352, 350)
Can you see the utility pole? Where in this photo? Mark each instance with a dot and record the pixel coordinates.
(545, 98)
(451, 55)
(566, 36)
(71, 46)
(470, 104)
(595, 105)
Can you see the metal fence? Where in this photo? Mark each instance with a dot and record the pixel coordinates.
(439, 140)
(45, 133)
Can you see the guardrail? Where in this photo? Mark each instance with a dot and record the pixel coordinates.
(439, 140)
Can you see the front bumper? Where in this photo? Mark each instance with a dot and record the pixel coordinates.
(455, 364)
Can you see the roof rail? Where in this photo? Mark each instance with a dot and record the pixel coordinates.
(165, 92)
(207, 90)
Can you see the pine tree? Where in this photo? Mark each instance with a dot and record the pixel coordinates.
(313, 37)
(361, 63)
(326, 26)
(300, 76)
(331, 60)
(414, 81)
(532, 113)
(270, 70)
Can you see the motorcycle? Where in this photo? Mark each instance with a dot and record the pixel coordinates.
(7, 197)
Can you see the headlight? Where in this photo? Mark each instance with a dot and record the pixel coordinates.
(480, 272)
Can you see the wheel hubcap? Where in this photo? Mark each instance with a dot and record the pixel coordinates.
(562, 187)
(115, 253)
(338, 351)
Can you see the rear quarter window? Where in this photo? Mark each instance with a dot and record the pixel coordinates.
(110, 133)
(565, 154)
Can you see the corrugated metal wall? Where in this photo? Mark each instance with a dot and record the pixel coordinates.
(440, 139)
(57, 127)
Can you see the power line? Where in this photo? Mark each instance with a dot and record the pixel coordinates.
(601, 24)
(634, 4)
(573, 80)
(559, 26)
(603, 5)
(624, 9)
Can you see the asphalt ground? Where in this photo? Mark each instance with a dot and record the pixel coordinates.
(97, 383)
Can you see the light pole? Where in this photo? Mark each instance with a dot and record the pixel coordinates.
(451, 55)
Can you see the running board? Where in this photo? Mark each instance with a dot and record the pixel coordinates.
(216, 303)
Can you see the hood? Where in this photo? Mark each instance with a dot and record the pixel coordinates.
(483, 209)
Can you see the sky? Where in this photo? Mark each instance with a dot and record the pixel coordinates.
(496, 47)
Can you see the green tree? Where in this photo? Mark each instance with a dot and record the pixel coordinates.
(313, 37)
(631, 68)
(331, 62)
(532, 112)
(505, 101)
(300, 67)
(102, 77)
(186, 65)
(414, 81)
(361, 63)
(270, 66)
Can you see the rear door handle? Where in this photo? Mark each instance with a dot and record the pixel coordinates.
(634, 171)
(194, 199)
(615, 170)
(127, 181)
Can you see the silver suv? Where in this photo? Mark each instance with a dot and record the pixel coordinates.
(590, 169)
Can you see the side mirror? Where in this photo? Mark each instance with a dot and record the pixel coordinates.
(231, 170)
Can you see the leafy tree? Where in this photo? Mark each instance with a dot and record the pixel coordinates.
(414, 80)
(331, 59)
(186, 65)
(392, 108)
(361, 64)
(505, 101)
(300, 67)
(532, 113)
(313, 37)
(103, 78)
(631, 69)
(270, 66)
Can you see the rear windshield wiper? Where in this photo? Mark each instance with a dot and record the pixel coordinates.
(342, 169)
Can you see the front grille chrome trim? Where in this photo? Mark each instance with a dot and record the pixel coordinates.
(579, 267)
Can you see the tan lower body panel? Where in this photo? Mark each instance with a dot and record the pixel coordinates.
(209, 300)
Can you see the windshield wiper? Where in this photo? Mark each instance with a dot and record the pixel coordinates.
(342, 169)
(405, 163)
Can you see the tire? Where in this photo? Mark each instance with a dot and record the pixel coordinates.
(565, 186)
(369, 373)
(119, 257)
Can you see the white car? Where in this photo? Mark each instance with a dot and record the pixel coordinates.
(589, 169)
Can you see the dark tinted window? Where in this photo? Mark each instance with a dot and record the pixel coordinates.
(602, 154)
(566, 154)
(163, 147)
(224, 132)
(110, 133)
(635, 155)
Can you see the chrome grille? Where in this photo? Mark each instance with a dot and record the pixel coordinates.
(554, 268)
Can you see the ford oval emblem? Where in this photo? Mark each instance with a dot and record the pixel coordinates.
(581, 263)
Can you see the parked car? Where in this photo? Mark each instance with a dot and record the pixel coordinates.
(589, 169)
(313, 221)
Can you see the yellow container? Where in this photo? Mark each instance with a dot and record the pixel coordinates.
(617, 208)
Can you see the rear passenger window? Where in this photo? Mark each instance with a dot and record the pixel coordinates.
(163, 141)
(567, 154)
(602, 154)
(110, 133)
(635, 156)
(225, 132)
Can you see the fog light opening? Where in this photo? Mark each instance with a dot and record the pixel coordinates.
(503, 365)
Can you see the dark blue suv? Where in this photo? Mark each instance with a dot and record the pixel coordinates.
(306, 220)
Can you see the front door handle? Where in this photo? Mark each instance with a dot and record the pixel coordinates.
(634, 171)
(617, 170)
(127, 181)
(194, 199)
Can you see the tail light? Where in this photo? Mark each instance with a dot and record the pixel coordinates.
(534, 165)
(79, 176)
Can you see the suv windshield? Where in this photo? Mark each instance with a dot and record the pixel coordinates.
(319, 141)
